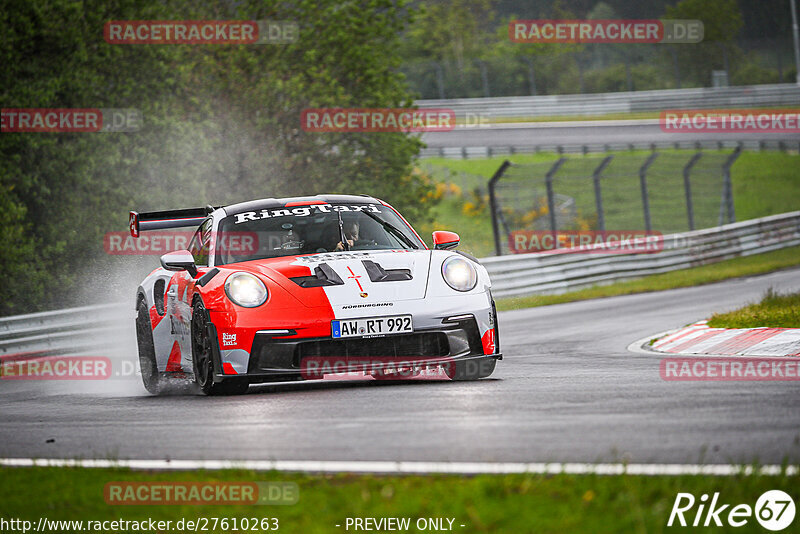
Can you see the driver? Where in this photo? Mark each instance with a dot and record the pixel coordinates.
(292, 238)
(351, 230)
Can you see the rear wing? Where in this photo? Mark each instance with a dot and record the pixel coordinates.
(158, 220)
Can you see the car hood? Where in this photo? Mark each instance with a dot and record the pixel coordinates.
(367, 277)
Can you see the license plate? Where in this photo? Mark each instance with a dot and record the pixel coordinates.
(372, 326)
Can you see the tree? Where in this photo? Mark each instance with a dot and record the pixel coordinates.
(221, 124)
(722, 21)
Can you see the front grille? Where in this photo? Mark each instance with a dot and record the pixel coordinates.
(405, 345)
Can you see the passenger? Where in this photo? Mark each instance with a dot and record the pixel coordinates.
(351, 230)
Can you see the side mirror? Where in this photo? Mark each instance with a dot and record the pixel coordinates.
(445, 240)
(180, 260)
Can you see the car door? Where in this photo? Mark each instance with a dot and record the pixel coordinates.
(179, 298)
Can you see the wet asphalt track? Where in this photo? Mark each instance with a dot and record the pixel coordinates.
(567, 391)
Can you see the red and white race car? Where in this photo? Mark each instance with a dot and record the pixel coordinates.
(298, 288)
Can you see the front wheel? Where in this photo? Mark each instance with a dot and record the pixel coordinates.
(203, 357)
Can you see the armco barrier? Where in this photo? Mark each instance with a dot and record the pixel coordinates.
(91, 328)
(74, 329)
(558, 272)
(473, 152)
(750, 96)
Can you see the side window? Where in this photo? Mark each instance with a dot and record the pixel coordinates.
(200, 243)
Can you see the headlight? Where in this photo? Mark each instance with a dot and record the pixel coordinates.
(459, 274)
(245, 290)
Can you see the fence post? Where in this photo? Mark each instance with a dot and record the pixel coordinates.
(551, 200)
(494, 207)
(628, 76)
(598, 198)
(643, 184)
(687, 187)
(726, 169)
(531, 76)
(677, 68)
(484, 78)
(439, 79)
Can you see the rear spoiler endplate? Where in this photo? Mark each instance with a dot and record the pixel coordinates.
(159, 220)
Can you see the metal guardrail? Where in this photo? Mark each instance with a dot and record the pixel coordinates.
(91, 328)
(561, 271)
(468, 152)
(83, 329)
(624, 102)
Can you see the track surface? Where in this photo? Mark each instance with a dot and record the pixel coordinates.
(568, 391)
(585, 132)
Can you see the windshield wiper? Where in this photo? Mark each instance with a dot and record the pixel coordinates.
(345, 243)
(389, 227)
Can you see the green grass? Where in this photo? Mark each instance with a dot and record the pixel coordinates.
(733, 268)
(774, 310)
(765, 183)
(510, 503)
(486, 167)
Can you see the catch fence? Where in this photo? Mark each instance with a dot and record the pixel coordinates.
(661, 192)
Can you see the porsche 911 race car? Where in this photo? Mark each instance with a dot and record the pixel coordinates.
(298, 288)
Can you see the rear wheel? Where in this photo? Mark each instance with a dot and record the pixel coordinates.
(151, 378)
(203, 358)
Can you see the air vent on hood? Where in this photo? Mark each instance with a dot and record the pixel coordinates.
(323, 276)
(379, 274)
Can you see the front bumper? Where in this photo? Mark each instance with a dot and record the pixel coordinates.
(280, 358)
(458, 327)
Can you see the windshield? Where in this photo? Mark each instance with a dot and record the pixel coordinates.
(289, 231)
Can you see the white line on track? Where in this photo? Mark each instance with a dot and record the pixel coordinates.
(379, 467)
(638, 345)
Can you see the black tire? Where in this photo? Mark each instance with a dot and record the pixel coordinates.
(151, 377)
(203, 358)
(471, 369)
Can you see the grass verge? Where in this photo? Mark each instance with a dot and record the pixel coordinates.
(507, 503)
(774, 310)
(733, 268)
